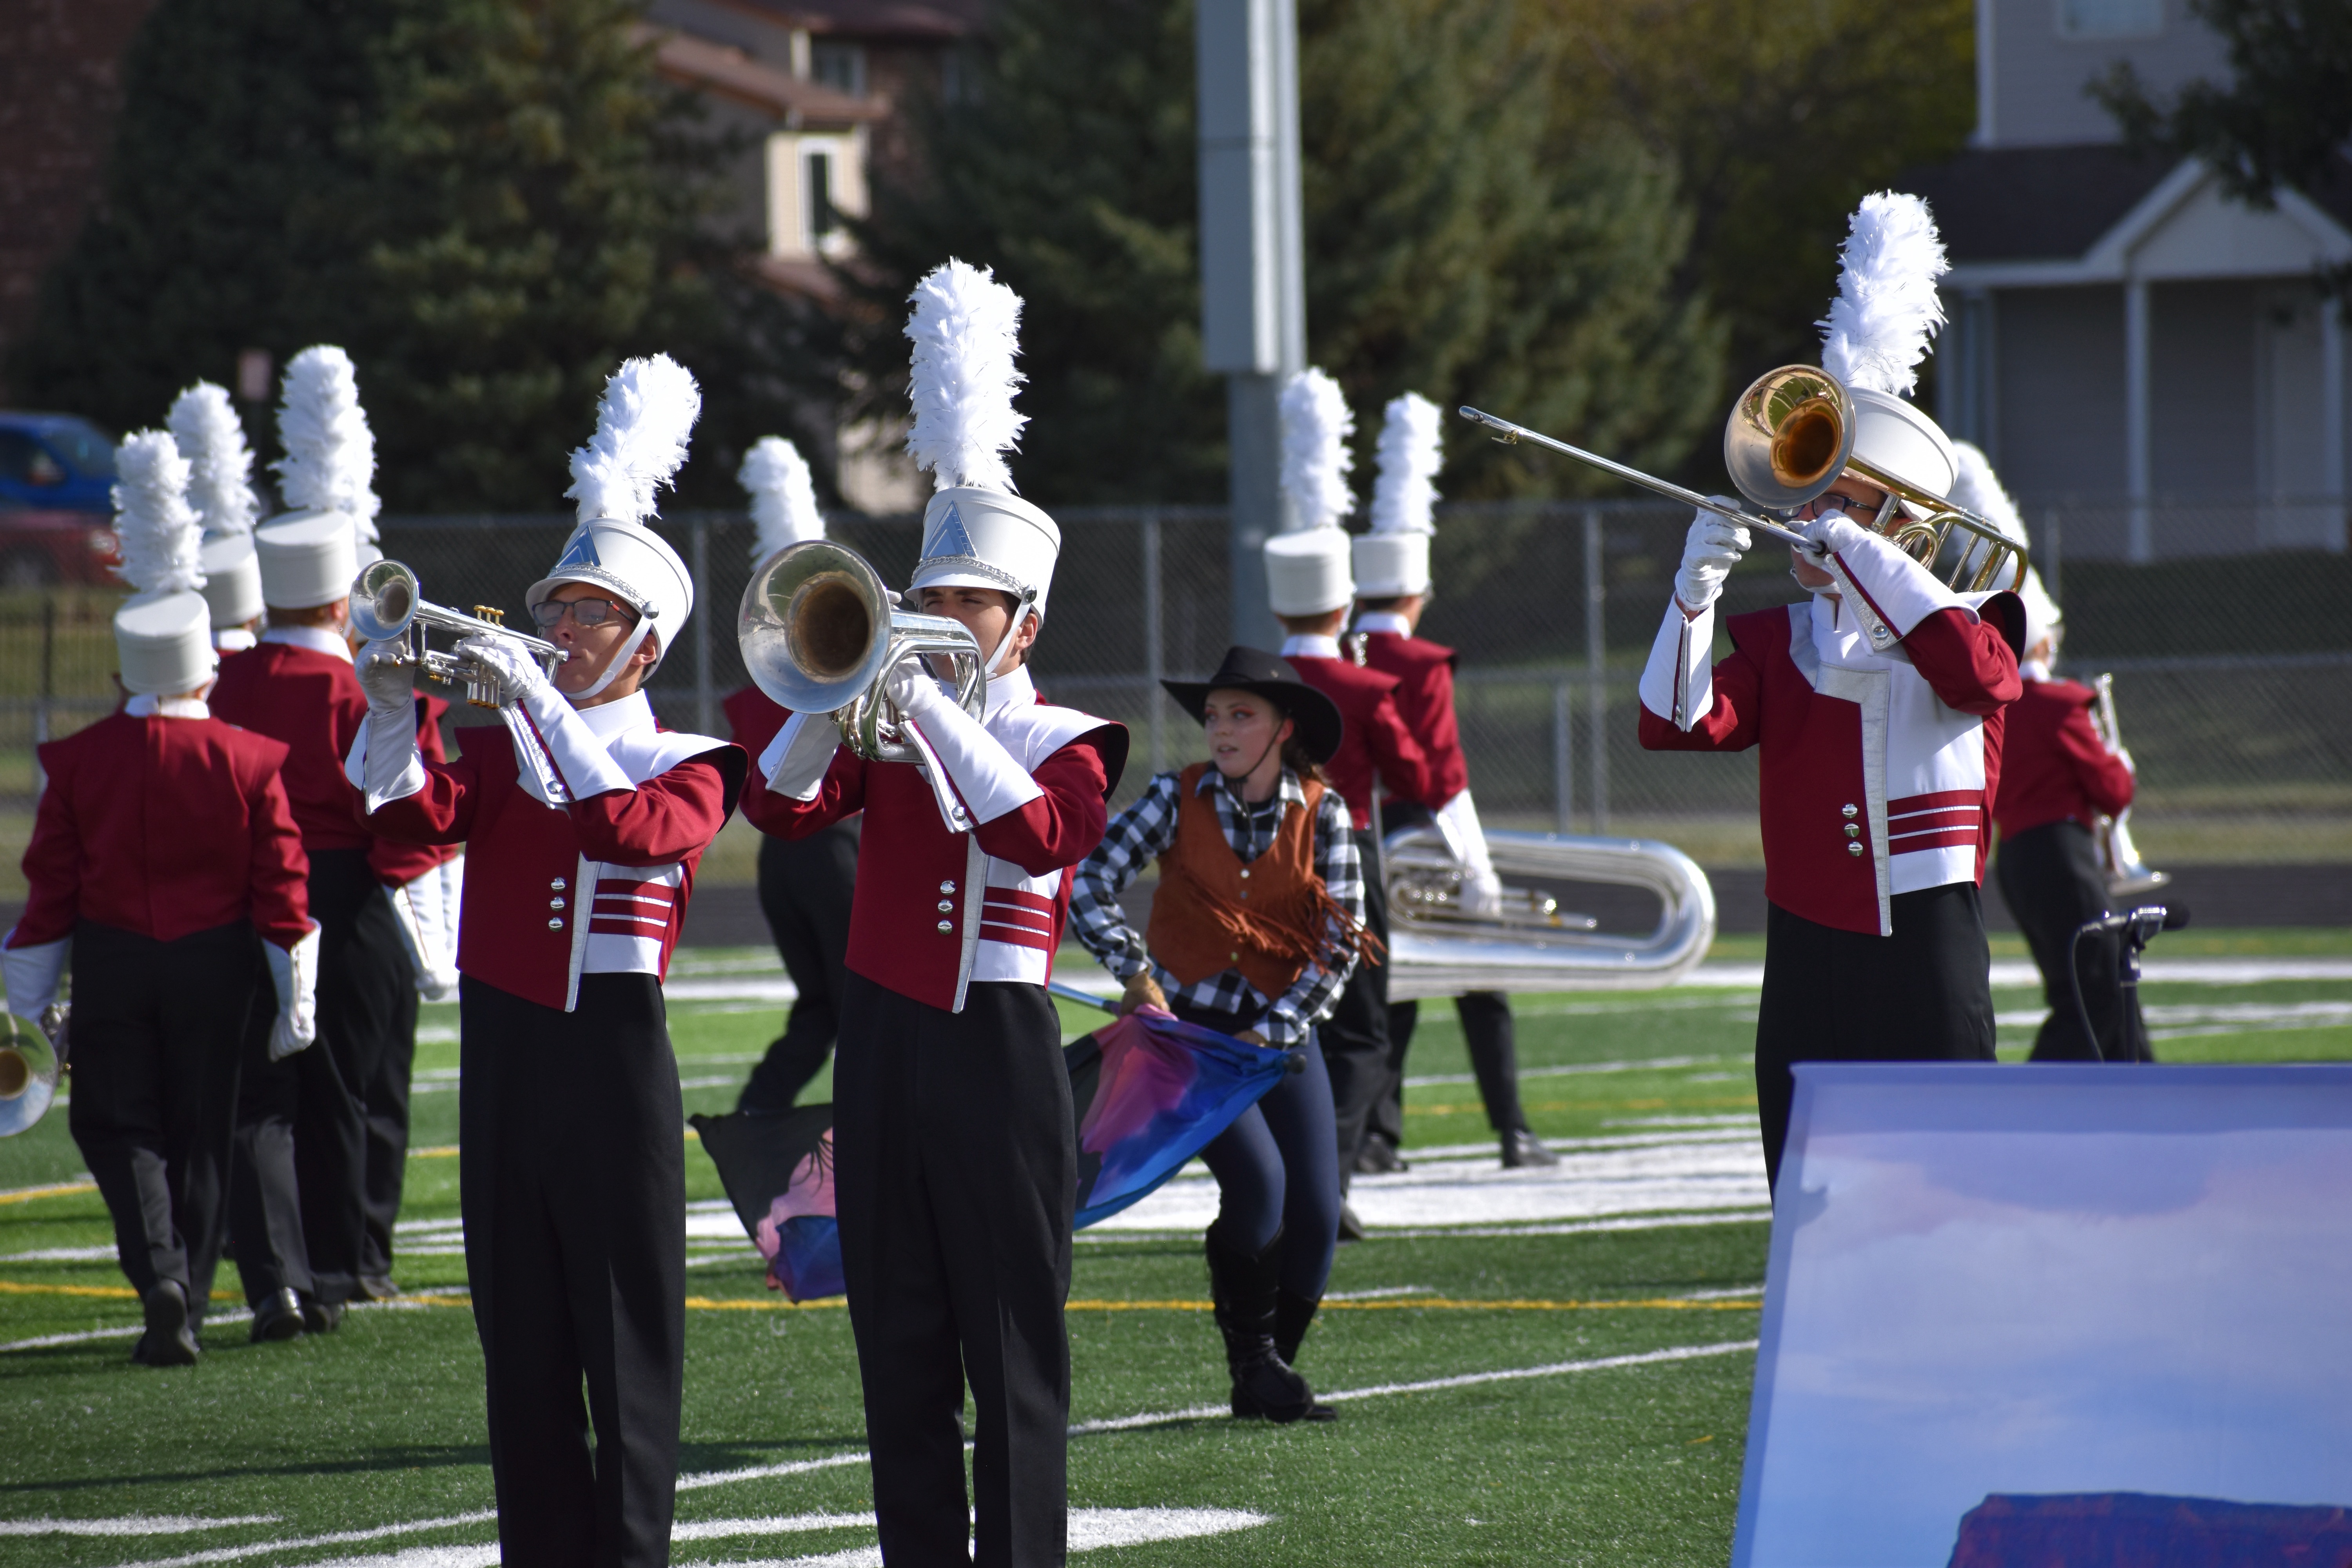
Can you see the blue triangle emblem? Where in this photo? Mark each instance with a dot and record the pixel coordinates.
(952, 539)
(580, 552)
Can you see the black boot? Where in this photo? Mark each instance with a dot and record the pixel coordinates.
(1241, 1288)
(1292, 1314)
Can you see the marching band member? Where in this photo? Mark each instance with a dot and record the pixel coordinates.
(162, 847)
(2058, 776)
(1257, 919)
(220, 487)
(806, 884)
(584, 821)
(1878, 766)
(298, 1205)
(955, 1155)
(1391, 571)
(1310, 590)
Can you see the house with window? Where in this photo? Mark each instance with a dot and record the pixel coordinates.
(2156, 363)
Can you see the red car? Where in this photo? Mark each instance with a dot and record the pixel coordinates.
(39, 547)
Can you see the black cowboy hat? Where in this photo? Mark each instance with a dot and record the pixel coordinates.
(1255, 669)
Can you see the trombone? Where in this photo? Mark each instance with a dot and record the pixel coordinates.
(819, 635)
(387, 606)
(1788, 439)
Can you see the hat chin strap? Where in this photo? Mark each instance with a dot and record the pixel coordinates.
(621, 657)
(1013, 628)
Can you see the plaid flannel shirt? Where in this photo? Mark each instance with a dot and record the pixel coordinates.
(1143, 832)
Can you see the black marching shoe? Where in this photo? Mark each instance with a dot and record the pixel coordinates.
(377, 1288)
(321, 1316)
(1378, 1157)
(168, 1341)
(278, 1316)
(1523, 1151)
(1241, 1288)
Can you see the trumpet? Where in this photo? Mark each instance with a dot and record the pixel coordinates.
(388, 606)
(1788, 439)
(32, 1056)
(819, 635)
(2128, 876)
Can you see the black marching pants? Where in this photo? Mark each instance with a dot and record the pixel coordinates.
(383, 1105)
(1487, 1027)
(1922, 995)
(805, 886)
(955, 1174)
(2052, 881)
(1355, 1037)
(156, 1026)
(572, 1166)
(302, 1123)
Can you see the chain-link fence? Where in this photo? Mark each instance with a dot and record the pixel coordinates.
(2233, 674)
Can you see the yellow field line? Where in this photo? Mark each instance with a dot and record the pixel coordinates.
(63, 1189)
(102, 1292)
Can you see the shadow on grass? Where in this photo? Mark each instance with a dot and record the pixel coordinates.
(415, 1458)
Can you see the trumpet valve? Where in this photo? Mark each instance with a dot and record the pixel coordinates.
(485, 613)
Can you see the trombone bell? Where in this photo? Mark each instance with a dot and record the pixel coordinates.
(1789, 436)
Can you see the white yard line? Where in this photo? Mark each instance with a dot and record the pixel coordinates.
(1570, 1069)
(129, 1524)
(334, 1538)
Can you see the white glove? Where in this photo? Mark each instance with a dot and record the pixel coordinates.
(1715, 546)
(1833, 532)
(390, 687)
(295, 973)
(32, 975)
(794, 764)
(1482, 894)
(911, 688)
(517, 674)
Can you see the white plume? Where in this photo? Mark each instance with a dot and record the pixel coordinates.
(642, 429)
(1411, 452)
(330, 461)
(1316, 426)
(1886, 310)
(152, 518)
(783, 497)
(966, 330)
(220, 465)
(1978, 489)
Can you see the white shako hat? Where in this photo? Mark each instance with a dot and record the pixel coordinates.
(232, 579)
(309, 553)
(1877, 333)
(209, 435)
(784, 496)
(1306, 567)
(643, 427)
(1307, 572)
(1392, 560)
(1978, 489)
(977, 534)
(162, 634)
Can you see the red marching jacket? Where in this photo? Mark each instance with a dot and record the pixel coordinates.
(2054, 767)
(396, 864)
(1373, 738)
(310, 701)
(166, 827)
(753, 720)
(1424, 698)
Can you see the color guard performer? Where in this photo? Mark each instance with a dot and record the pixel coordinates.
(806, 884)
(2058, 777)
(584, 821)
(162, 847)
(299, 1203)
(1878, 768)
(1310, 590)
(955, 1156)
(1392, 571)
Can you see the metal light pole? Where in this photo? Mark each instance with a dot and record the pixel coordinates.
(1253, 280)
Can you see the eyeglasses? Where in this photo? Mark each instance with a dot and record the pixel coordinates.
(1852, 506)
(587, 612)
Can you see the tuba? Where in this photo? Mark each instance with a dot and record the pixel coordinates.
(31, 1058)
(2128, 876)
(819, 635)
(1437, 948)
(388, 606)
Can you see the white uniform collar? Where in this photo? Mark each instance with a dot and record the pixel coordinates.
(145, 706)
(1308, 645)
(1384, 621)
(626, 715)
(1012, 690)
(233, 639)
(2035, 670)
(318, 639)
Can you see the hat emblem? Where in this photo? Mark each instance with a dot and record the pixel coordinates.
(952, 540)
(580, 552)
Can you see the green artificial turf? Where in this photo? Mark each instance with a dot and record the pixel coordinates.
(379, 1427)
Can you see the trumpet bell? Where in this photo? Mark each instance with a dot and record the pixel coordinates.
(28, 1074)
(1790, 436)
(814, 626)
(385, 601)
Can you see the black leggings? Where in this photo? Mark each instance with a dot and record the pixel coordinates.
(1277, 1169)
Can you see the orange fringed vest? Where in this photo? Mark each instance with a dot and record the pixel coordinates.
(1267, 919)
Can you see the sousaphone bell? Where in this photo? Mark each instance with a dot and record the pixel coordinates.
(30, 1066)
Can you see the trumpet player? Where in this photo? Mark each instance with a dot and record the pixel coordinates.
(1878, 766)
(2058, 775)
(584, 822)
(955, 1153)
(165, 870)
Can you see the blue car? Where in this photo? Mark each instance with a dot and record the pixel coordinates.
(55, 462)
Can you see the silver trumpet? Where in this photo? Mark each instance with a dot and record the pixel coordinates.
(819, 634)
(388, 606)
(32, 1056)
(2128, 876)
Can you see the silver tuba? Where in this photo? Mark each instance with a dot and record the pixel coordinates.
(819, 634)
(2128, 876)
(1436, 948)
(32, 1056)
(388, 606)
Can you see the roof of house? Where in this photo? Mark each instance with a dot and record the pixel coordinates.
(914, 21)
(730, 72)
